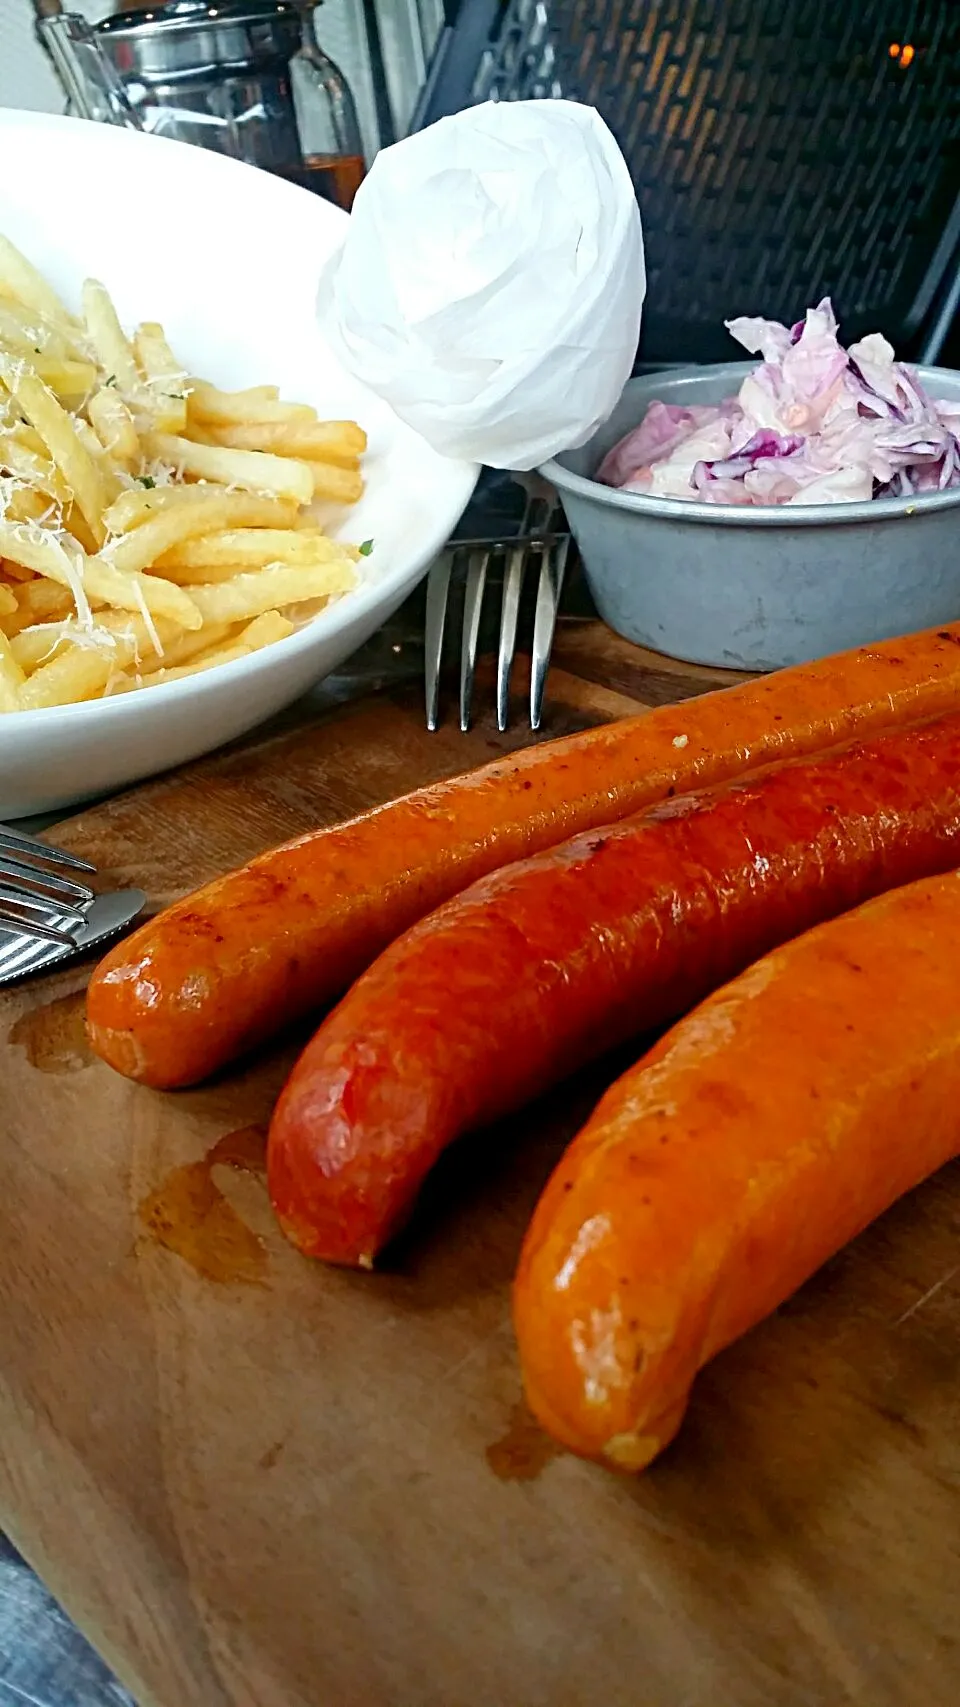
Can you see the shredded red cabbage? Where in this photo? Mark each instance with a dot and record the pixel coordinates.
(812, 424)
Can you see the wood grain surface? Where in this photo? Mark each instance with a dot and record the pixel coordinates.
(255, 1482)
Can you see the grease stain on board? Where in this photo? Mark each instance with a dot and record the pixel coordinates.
(189, 1214)
(54, 1035)
(524, 1450)
(271, 1456)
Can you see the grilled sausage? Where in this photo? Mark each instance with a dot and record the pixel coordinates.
(230, 965)
(545, 964)
(758, 1137)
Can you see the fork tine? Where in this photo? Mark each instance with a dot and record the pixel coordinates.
(551, 540)
(30, 848)
(512, 588)
(552, 567)
(35, 928)
(18, 873)
(438, 590)
(33, 903)
(472, 604)
(43, 905)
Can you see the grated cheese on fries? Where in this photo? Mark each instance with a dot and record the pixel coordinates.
(151, 525)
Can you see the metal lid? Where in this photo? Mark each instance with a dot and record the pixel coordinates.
(170, 16)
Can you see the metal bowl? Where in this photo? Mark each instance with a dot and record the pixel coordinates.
(756, 588)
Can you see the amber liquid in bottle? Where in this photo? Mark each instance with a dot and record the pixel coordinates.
(336, 177)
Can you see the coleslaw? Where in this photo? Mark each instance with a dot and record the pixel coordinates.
(812, 424)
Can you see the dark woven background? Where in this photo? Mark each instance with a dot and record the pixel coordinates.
(779, 151)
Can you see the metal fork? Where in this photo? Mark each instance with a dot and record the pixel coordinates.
(36, 899)
(548, 545)
(46, 915)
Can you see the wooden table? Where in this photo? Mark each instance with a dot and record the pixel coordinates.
(256, 1482)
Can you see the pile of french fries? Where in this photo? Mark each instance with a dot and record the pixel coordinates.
(151, 525)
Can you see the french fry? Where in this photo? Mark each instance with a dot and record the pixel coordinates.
(251, 470)
(69, 566)
(76, 672)
(263, 631)
(35, 469)
(75, 524)
(11, 676)
(187, 646)
(198, 432)
(156, 678)
(338, 485)
(111, 471)
(66, 378)
(129, 590)
(26, 331)
(157, 360)
(38, 601)
(280, 584)
(207, 576)
(8, 602)
(142, 504)
(227, 408)
(26, 504)
(232, 549)
(165, 378)
(35, 646)
(113, 424)
(41, 550)
(163, 415)
(140, 548)
(20, 432)
(236, 639)
(19, 278)
(27, 336)
(107, 337)
(341, 442)
(127, 624)
(15, 571)
(79, 469)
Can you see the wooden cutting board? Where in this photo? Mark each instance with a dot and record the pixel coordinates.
(255, 1482)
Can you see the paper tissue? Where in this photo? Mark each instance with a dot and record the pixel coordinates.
(491, 281)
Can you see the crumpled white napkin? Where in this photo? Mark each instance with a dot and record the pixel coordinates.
(491, 281)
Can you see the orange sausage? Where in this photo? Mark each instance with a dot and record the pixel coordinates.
(233, 963)
(544, 965)
(759, 1136)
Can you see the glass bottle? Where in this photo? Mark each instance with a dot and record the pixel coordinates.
(333, 163)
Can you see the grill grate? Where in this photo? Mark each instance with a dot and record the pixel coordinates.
(779, 153)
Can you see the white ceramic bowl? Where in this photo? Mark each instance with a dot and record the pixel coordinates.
(228, 259)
